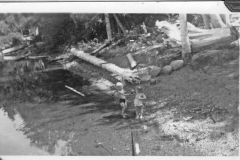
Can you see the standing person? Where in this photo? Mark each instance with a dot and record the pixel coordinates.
(138, 104)
(121, 97)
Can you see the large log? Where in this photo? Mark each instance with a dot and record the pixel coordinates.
(224, 37)
(201, 39)
(129, 75)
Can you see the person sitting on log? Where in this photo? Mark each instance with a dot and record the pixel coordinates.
(121, 97)
(138, 104)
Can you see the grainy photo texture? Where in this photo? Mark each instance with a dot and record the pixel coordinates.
(124, 84)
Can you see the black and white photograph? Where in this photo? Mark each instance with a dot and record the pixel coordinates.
(115, 81)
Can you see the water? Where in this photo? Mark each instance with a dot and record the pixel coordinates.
(39, 116)
(13, 141)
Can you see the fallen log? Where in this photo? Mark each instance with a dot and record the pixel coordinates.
(126, 74)
(217, 39)
(204, 39)
(15, 48)
(113, 45)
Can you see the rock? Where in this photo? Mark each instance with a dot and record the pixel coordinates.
(154, 72)
(166, 70)
(177, 64)
(144, 77)
(204, 58)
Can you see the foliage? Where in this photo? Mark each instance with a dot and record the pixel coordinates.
(195, 19)
(12, 26)
(65, 29)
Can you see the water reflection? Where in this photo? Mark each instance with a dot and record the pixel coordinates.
(13, 141)
(18, 139)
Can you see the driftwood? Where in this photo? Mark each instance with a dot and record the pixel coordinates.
(101, 47)
(132, 62)
(24, 57)
(112, 45)
(126, 74)
(74, 90)
(15, 48)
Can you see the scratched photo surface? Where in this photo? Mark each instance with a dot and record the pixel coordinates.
(113, 82)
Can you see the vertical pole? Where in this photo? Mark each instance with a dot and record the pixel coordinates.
(186, 48)
(135, 143)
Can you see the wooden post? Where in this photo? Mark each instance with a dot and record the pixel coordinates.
(108, 27)
(135, 143)
(186, 49)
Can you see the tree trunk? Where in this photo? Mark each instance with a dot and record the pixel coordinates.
(186, 49)
(126, 74)
(119, 24)
(206, 21)
(108, 27)
(216, 21)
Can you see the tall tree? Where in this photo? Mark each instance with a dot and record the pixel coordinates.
(108, 26)
(119, 24)
(186, 49)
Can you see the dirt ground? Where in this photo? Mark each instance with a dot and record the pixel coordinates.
(188, 113)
